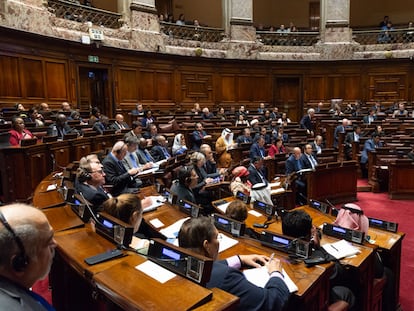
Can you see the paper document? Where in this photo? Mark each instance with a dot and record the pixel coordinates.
(223, 207)
(226, 242)
(156, 201)
(260, 276)
(255, 213)
(155, 271)
(171, 232)
(341, 249)
(156, 223)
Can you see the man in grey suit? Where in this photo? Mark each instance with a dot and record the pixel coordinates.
(27, 249)
(131, 158)
(144, 156)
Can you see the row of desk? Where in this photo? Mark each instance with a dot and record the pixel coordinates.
(118, 285)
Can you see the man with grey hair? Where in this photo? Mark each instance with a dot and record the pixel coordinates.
(306, 122)
(27, 245)
(122, 180)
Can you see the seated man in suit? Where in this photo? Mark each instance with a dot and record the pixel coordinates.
(340, 129)
(200, 235)
(258, 150)
(199, 134)
(307, 160)
(123, 181)
(60, 127)
(371, 117)
(245, 138)
(131, 160)
(264, 134)
(159, 151)
(350, 138)
(260, 190)
(370, 145)
(119, 123)
(210, 166)
(144, 156)
(317, 145)
(136, 130)
(101, 125)
(298, 224)
(294, 165)
(90, 181)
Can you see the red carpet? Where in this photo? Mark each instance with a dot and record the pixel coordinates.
(401, 211)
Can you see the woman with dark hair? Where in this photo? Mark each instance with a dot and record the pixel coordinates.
(186, 181)
(277, 147)
(127, 207)
(18, 132)
(237, 210)
(201, 236)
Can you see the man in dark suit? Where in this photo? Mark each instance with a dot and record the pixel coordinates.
(264, 134)
(245, 138)
(293, 162)
(119, 123)
(90, 181)
(258, 150)
(370, 145)
(340, 129)
(371, 117)
(144, 156)
(317, 145)
(60, 127)
(294, 165)
(306, 121)
(256, 174)
(350, 138)
(200, 235)
(307, 160)
(210, 165)
(198, 135)
(159, 151)
(122, 181)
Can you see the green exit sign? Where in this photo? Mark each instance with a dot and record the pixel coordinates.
(93, 59)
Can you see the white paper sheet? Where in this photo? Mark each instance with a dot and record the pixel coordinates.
(260, 276)
(155, 271)
(156, 223)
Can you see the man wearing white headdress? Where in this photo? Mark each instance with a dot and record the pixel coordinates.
(223, 144)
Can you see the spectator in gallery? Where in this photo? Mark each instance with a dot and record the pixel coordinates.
(384, 22)
(18, 131)
(386, 33)
(181, 20)
(282, 29)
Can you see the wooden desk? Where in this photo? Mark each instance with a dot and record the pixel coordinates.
(62, 218)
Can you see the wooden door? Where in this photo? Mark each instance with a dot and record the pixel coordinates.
(287, 96)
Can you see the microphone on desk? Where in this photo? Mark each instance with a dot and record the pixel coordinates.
(334, 210)
(89, 208)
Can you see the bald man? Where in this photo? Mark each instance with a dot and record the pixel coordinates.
(119, 123)
(27, 245)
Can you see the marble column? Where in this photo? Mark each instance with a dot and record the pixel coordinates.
(335, 21)
(145, 26)
(123, 8)
(241, 21)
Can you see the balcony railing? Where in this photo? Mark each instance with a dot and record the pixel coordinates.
(288, 38)
(366, 37)
(81, 13)
(187, 32)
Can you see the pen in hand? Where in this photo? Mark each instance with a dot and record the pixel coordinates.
(271, 257)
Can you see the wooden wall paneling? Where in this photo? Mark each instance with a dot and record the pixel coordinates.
(81, 147)
(352, 86)
(196, 87)
(316, 88)
(127, 85)
(61, 154)
(228, 88)
(10, 87)
(164, 86)
(334, 87)
(32, 73)
(260, 87)
(37, 160)
(288, 95)
(56, 80)
(388, 87)
(84, 95)
(245, 88)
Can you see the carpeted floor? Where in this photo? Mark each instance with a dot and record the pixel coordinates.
(401, 211)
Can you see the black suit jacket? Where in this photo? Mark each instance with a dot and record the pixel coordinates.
(272, 297)
(182, 192)
(118, 177)
(291, 165)
(61, 131)
(254, 175)
(306, 123)
(157, 153)
(95, 196)
(142, 159)
(256, 151)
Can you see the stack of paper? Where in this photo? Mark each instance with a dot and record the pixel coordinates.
(341, 249)
(260, 276)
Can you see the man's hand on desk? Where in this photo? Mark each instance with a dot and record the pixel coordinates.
(254, 260)
(274, 265)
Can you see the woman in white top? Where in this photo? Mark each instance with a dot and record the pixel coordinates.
(179, 146)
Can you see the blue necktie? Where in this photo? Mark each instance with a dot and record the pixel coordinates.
(147, 155)
(134, 163)
(166, 154)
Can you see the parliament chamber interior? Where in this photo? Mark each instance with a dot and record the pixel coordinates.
(314, 96)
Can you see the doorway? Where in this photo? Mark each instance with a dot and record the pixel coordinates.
(94, 90)
(287, 96)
